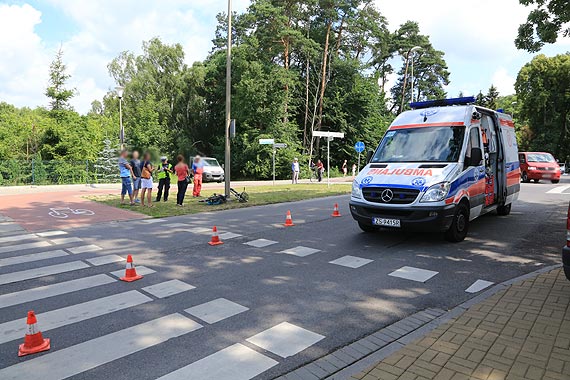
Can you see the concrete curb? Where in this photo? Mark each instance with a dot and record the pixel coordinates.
(363, 353)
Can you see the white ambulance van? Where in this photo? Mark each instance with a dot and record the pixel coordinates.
(438, 167)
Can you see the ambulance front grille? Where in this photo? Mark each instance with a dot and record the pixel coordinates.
(399, 196)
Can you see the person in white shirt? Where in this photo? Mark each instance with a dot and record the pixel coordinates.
(295, 170)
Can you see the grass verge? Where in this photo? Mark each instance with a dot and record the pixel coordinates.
(258, 195)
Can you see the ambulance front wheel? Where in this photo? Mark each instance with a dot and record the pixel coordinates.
(367, 227)
(504, 210)
(460, 225)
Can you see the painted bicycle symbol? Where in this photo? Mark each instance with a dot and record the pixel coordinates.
(64, 212)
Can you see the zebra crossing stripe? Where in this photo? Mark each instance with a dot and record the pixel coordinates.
(66, 240)
(84, 249)
(52, 290)
(236, 362)
(16, 329)
(24, 275)
(13, 238)
(32, 257)
(103, 260)
(142, 270)
(21, 247)
(93, 353)
(51, 233)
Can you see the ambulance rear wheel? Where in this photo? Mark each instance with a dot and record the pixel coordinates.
(504, 210)
(367, 227)
(460, 225)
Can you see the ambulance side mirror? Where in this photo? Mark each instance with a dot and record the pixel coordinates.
(475, 158)
(369, 156)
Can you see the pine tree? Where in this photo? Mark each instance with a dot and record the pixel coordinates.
(106, 165)
(56, 90)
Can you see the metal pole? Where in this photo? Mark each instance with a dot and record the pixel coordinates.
(274, 151)
(358, 161)
(122, 132)
(33, 173)
(405, 82)
(412, 79)
(328, 161)
(228, 99)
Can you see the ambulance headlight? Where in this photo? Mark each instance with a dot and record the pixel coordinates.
(356, 192)
(437, 192)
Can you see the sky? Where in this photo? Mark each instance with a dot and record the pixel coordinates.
(477, 38)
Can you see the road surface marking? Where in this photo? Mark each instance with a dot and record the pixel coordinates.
(142, 270)
(558, 190)
(414, 274)
(51, 233)
(260, 243)
(16, 329)
(229, 235)
(103, 260)
(21, 247)
(351, 261)
(176, 225)
(152, 221)
(32, 257)
(236, 362)
(300, 251)
(216, 310)
(47, 291)
(24, 275)
(76, 359)
(67, 240)
(285, 339)
(478, 285)
(84, 249)
(200, 230)
(9, 239)
(168, 288)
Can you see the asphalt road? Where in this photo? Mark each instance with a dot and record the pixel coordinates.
(95, 336)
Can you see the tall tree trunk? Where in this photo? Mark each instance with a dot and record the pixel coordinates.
(307, 73)
(339, 38)
(324, 75)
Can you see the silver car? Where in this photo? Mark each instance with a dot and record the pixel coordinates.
(213, 172)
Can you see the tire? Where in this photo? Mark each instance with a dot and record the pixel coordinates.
(567, 272)
(460, 225)
(525, 177)
(555, 181)
(367, 227)
(536, 180)
(504, 210)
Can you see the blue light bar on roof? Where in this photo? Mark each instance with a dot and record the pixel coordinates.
(444, 102)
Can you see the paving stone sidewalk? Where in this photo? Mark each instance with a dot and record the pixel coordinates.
(519, 333)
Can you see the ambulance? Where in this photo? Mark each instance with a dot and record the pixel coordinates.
(438, 167)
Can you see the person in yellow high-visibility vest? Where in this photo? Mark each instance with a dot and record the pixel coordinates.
(164, 171)
(198, 170)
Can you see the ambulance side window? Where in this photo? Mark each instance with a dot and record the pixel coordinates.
(474, 142)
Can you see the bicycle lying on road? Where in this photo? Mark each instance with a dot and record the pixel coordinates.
(64, 212)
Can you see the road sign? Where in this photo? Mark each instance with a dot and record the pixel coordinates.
(328, 134)
(359, 147)
(280, 145)
(266, 141)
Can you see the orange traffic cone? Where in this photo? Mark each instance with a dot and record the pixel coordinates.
(215, 238)
(288, 220)
(130, 271)
(34, 342)
(336, 213)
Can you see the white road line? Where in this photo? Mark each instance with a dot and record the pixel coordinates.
(152, 221)
(52, 290)
(414, 274)
(32, 257)
(10, 239)
(236, 362)
(67, 240)
(9, 278)
(16, 329)
(229, 235)
(84, 249)
(76, 359)
(200, 230)
(103, 260)
(142, 270)
(260, 243)
(300, 251)
(177, 225)
(478, 285)
(285, 339)
(168, 288)
(21, 247)
(216, 310)
(351, 261)
(51, 233)
(558, 190)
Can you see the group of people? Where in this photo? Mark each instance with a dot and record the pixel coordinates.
(137, 177)
(319, 169)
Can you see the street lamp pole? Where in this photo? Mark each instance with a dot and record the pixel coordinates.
(120, 90)
(228, 100)
(406, 75)
(414, 49)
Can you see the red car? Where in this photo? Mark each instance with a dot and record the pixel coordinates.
(539, 165)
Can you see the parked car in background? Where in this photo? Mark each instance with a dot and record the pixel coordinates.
(213, 172)
(539, 165)
(566, 249)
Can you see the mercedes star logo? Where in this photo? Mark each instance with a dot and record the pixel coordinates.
(387, 195)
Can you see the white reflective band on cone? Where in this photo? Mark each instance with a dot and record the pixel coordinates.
(130, 266)
(32, 329)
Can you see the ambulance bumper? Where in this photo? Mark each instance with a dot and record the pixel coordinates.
(566, 261)
(430, 219)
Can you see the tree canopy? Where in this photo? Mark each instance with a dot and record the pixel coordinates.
(545, 23)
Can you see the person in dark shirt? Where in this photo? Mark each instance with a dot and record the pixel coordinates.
(136, 165)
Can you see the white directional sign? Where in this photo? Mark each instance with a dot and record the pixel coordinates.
(280, 145)
(266, 141)
(339, 135)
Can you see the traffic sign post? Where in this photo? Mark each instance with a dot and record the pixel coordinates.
(330, 136)
(359, 147)
(275, 147)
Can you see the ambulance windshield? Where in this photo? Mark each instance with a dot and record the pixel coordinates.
(425, 144)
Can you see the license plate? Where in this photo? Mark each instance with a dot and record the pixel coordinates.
(547, 176)
(386, 222)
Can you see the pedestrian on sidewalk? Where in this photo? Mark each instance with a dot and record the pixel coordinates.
(198, 170)
(126, 172)
(344, 168)
(136, 166)
(146, 182)
(320, 170)
(183, 174)
(164, 171)
(295, 171)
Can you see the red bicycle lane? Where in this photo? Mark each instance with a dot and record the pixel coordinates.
(61, 210)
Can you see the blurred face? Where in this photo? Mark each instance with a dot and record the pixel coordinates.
(135, 155)
(124, 154)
